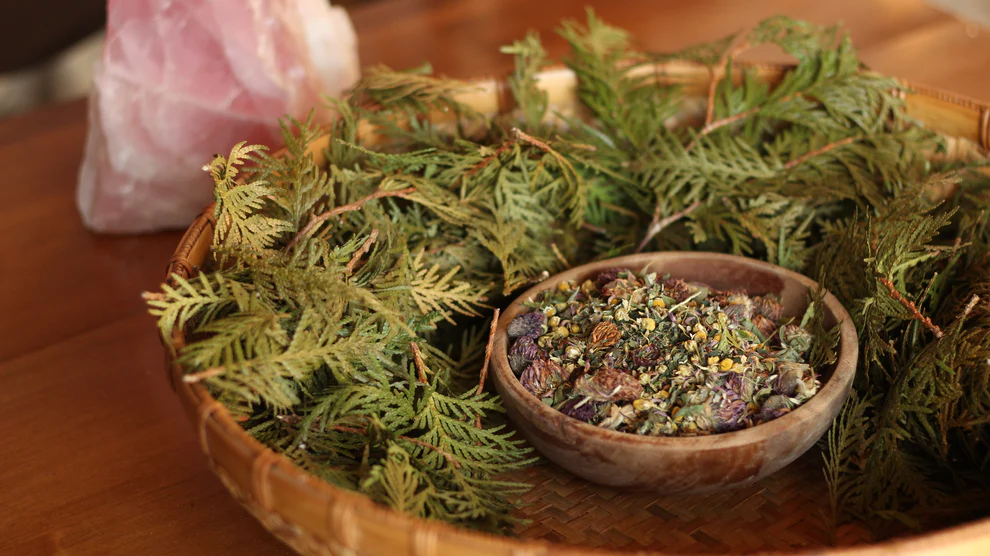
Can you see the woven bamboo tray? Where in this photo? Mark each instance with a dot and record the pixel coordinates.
(784, 513)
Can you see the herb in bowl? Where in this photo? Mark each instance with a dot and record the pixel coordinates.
(660, 356)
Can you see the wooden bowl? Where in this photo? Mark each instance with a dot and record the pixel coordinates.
(683, 464)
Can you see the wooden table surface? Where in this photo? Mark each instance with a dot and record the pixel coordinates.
(97, 457)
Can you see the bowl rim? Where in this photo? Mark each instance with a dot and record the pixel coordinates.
(837, 386)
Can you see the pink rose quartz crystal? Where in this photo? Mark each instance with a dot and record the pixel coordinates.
(180, 80)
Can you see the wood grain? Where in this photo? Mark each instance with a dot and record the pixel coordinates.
(98, 458)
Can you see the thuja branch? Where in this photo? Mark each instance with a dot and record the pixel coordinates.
(910, 306)
(365, 247)
(294, 420)
(657, 225)
(446, 455)
(719, 72)
(812, 154)
(728, 120)
(356, 205)
(502, 149)
(518, 136)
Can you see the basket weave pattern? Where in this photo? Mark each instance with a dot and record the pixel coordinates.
(782, 513)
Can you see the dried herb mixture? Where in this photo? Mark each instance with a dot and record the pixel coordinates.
(662, 357)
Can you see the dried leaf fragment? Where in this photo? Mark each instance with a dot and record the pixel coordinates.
(608, 385)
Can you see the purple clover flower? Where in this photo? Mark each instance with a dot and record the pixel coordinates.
(523, 352)
(529, 325)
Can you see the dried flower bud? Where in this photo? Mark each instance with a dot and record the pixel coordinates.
(606, 276)
(681, 290)
(578, 409)
(739, 307)
(730, 416)
(738, 386)
(646, 356)
(604, 335)
(776, 402)
(523, 352)
(528, 325)
(676, 288)
(773, 407)
(541, 377)
(795, 338)
(795, 380)
(764, 325)
(608, 385)
(769, 306)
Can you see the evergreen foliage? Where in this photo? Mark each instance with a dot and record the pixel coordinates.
(336, 319)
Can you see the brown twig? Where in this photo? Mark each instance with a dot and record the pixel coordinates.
(484, 366)
(364, 249)
(717, 73)
(970, 305)
(708, 128)
(558, 254)
(420, 365)
(594, 228)
(193, 378)
(809, 155)
(488, 353)
(315, 221)
(657, 225)
(517, 136)
(502, 149)
(910, 306)
(618, 209)
(522, 136)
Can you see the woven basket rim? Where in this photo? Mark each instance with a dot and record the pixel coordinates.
(348, 512)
